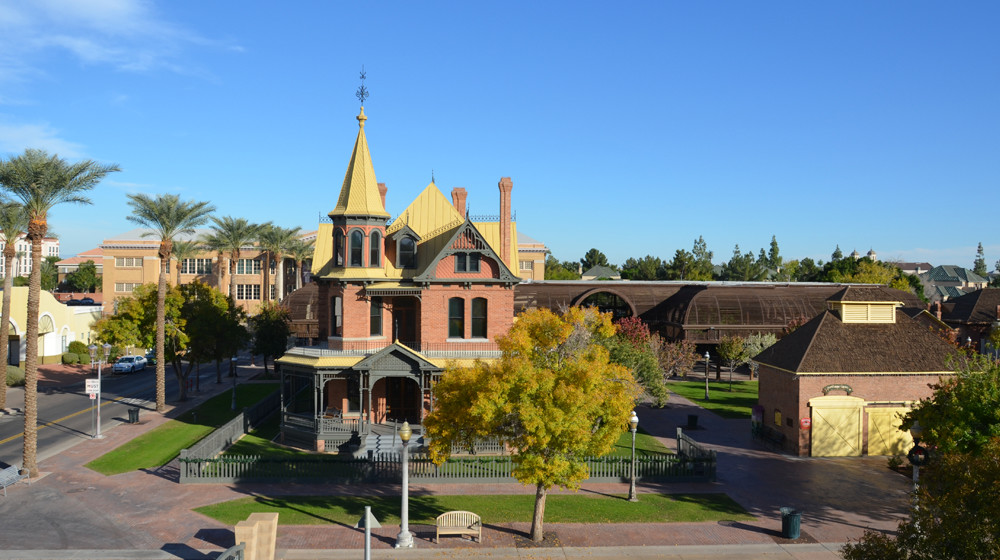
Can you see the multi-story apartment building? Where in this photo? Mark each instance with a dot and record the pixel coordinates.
(22, 261)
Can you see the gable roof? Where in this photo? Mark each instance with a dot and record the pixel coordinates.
(858, 294)
(975, 307)
(428, 215)
(463, 238)
(601, 272)
(950, 273)
(828, 345)
(359, 194)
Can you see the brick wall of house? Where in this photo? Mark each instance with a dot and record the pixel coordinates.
(790, 394)
(488, 268)
(434, 310)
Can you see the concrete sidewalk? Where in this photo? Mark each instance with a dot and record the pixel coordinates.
(74, 512)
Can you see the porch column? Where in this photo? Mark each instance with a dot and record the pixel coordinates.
(370, 419)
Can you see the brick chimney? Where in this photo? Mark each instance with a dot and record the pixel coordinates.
(382, 189)
(506, 185)
(458, 195)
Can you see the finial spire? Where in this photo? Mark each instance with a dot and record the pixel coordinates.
(432, 175)
(362, 92)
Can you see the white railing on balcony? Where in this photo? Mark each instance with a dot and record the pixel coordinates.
(449, 350)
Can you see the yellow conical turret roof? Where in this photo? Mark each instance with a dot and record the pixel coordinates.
(359, 195)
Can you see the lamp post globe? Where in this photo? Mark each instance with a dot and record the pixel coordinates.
(633, 423)
(405, 539)
(707, 365)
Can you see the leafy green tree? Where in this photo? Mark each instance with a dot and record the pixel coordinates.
(555, 270)
(40, 182)
(13, 221)
(594, 258)
(634, 347)
(961, 427)
(755, 344)
(206, 316)
(677, 358)
(646, 268)
(743, 267)
(84, 278)
(702, 269)
(809, 270)
(680, 267)
(167, 217)
(732, 349)
(837, 254)
(134, 323)
(50, 274)
(553, 398)
(774, 260)
(979, 265)
(271, 327)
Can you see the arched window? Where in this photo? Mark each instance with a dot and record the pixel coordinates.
(357, 248)
(375, 250)
(605, 302)
(407, 253)
(479, 308)
(338, 248)
(456, 318)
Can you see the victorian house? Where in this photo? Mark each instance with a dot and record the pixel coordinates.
(398, 299)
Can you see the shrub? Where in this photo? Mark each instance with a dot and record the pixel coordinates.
(84, 358)
(78, 347)
(70, 358)
(15, 376)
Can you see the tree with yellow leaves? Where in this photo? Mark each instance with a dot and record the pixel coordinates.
(553, 397)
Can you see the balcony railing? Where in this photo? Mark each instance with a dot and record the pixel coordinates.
(465, 349)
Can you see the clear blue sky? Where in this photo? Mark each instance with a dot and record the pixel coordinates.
(633, 127)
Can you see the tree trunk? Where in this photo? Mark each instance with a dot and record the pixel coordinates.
(233, 259)
(536, 521)
(298, 274)
(161, 323)
(279, 278)
(8, 287)
(30, 457)
(266, 284)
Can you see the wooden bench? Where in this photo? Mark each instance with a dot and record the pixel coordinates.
(11, 475)
(459, 523)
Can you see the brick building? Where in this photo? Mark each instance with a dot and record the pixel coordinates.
(837, 386)
(395, 301)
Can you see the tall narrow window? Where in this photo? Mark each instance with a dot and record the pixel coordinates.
(473, 262)
(357, 248)
(337, 318)
(460, 262)
(376, 317)
(338, 248)
(479, 317)
(407, 253)
(456, 318)
(375, 250)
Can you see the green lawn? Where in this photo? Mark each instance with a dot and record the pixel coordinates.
(645, 444)
(157, 447)
(559, 508)
(735, 404)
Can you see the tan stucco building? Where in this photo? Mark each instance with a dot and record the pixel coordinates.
(58, 325)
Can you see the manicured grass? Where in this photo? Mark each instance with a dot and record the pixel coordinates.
(645, 445)
(157, 447)
(559, 508)
(735, 404)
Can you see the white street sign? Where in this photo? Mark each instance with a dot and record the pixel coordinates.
(93, 386)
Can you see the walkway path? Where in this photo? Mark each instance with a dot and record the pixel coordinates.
(74, 510)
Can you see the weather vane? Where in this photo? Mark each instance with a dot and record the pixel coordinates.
(362, 92)
(432, 175)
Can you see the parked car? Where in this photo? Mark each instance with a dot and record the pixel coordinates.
(151, 357)
(129, 364)
(87, 301)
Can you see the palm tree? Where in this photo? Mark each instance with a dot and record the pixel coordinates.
(13, 221)
(274, 242)
(184, 250)
(300, 250)
(167, 216)
(40, 182)
(230, 235)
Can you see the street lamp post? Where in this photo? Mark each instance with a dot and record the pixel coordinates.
(405, 539)
(707, 358)
(917, 457)
(633, 423)
(101, 359)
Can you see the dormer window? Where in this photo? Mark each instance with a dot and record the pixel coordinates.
(357, 248)
(466, 262)
(407, 253)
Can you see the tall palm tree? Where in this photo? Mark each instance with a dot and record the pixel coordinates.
(300, 250)
(166, 216)
(230, 235)
(274, 242)
(40, 182)
(13, 221)
(184, 250)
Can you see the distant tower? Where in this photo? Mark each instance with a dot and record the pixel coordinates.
(872, 256)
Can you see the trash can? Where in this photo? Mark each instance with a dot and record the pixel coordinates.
(692, 421)
(133, 415)
(791, 523)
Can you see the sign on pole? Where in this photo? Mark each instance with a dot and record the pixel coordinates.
(93, 386)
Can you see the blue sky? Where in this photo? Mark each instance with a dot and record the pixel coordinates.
(632, 127)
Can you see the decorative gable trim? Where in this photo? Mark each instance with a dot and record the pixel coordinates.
(467, 239)
(403, 231)
(396, 358)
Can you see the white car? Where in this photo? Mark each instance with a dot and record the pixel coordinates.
(129, 364)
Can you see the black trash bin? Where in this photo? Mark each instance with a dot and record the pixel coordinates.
(692, 421)
(791, 523)
(133, 415)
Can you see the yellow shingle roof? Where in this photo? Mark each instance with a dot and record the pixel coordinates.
(491, 233)
(428, 215)
(320, 361)
(359, 195)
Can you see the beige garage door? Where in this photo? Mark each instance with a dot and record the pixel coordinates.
(884, 435)
(836, 426)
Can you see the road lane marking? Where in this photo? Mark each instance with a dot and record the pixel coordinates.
(126, 399)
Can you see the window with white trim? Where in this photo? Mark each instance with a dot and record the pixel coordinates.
(126, 287)
(248, 266)
(527, 265)
(196, 266)
(128, 262)
(248, 291)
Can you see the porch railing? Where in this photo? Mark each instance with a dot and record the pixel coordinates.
(458, 349)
